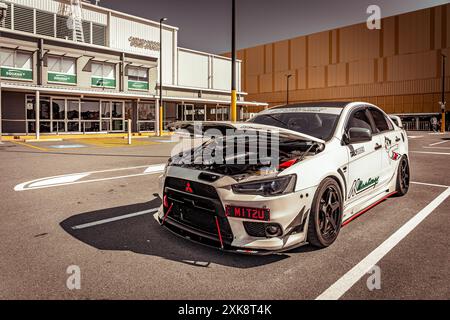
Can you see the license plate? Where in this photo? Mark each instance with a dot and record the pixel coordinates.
(261, 214)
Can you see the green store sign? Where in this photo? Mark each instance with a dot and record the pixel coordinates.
(138, 85)
(103, 82)
(62, 78)
(14, 73)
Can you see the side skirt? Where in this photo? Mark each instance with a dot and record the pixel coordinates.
(361, 212)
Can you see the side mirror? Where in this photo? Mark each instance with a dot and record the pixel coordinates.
(359, 135)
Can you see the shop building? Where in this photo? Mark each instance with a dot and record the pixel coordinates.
(70, 67)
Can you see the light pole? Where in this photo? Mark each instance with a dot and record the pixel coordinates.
(288, 77)
(3, 13)
(160, 111)
(233, 63)
(443, 102)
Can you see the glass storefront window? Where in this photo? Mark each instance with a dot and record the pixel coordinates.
(106, 110)
(128, 110)
(117, 109)
(31, 107)
(44, 126)
(58, 107)
(90, 110)
(199, 112)
(91, 126)
(146, 116)
(73, 126)
(44, 109)
(73, 109)
(147, 126)
(58, 126)
(117, 125)
(146, 111)
(106, 126)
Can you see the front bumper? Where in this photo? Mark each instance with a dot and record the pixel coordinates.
(289, 211)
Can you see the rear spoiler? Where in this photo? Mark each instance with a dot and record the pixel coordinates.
(397, 120)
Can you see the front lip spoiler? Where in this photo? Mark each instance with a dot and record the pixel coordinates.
(227, 248)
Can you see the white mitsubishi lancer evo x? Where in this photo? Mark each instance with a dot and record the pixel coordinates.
(291, 175)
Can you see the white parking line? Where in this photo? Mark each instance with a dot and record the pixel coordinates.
(440, 142)
(437, 148)
(73, 178)
(430, 184)
(125, 216)
(436, 153)
(341, 286)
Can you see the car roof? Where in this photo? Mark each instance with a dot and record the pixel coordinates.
(323, 104)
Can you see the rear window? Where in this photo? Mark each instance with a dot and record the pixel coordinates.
(381, 123)
(319, 124)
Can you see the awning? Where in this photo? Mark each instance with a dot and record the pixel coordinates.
(114, 94)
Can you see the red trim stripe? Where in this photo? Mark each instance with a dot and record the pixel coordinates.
(218, 231)
(167, 213)
(368, 208)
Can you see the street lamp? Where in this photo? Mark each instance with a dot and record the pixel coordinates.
(233, 63)
(3, 13)
(443, 102)
(288, 77)
(160, 113)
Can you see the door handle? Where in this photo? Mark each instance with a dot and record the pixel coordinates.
(378, 146)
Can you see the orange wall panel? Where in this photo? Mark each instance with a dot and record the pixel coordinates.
(281, 83)
(281, 56)
(269, 54)
(252, 84)
(298, 53)
(316, 77)
(337, 75)
(255, 60)
(265, 83)
(362, 72)
(358, 42)
(414, 31)
(319, 49)
(301, 78)
(412, 66)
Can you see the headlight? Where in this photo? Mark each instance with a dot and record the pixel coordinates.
(277, 186)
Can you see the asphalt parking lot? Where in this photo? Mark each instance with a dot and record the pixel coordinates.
(99, 216)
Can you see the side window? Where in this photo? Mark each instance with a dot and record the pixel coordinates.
(380, 120)
(359, 119)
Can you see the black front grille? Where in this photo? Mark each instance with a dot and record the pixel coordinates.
(255, 229)
(196, 206)
(202, 189)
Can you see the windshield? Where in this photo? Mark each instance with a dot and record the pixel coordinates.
(317, 122)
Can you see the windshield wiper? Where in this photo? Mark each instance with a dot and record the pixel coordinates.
(276, 119)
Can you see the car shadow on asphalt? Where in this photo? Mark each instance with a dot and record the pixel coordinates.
(143, 235)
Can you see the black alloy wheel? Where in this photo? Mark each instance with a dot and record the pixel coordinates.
(325, 219)
(403, 176)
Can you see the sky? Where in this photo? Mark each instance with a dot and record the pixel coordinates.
(205, 25)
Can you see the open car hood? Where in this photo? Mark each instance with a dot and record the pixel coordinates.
(222, 126)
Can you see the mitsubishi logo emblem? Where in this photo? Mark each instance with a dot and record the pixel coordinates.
(188, 188)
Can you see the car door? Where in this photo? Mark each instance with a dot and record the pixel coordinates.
(390, 140)
(364, 166)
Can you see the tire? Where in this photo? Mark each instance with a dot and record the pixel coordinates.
(403, 175)
(325, 219)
